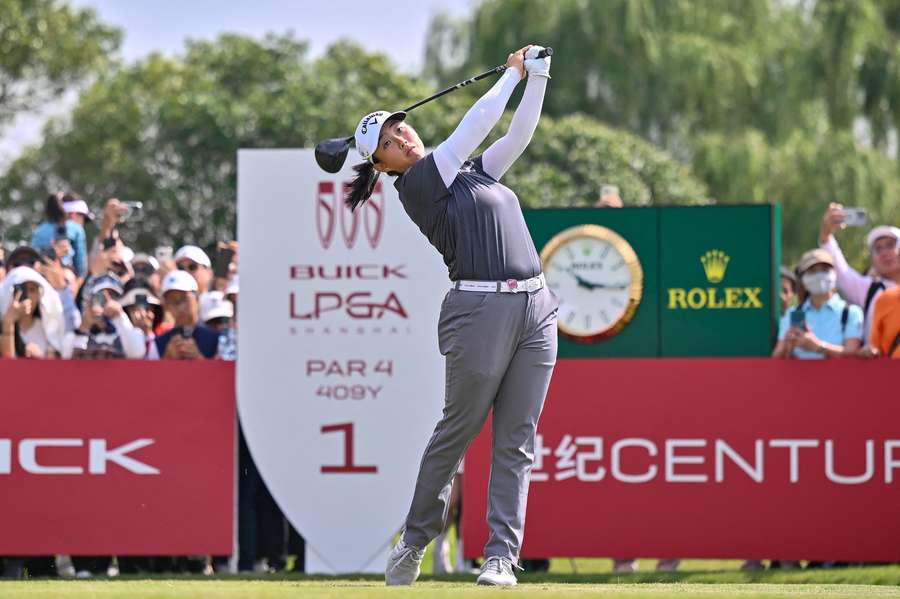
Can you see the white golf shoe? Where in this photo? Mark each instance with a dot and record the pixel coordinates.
(404, 564)
(498, 571)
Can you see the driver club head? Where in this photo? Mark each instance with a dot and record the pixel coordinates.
(331, 153)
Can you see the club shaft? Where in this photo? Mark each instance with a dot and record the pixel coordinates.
(496, 70)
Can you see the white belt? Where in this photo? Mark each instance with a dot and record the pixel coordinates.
(508, 286)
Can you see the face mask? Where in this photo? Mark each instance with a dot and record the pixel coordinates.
(820, 283)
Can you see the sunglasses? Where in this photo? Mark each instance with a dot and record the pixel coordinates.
(192, 267)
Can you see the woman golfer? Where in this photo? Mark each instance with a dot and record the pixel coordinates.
(497, 328)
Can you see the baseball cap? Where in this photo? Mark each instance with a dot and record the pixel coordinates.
(813, 257)
(369, 128)
(193, 253)
(78, 207)
(136, 287)
(145, 259)
(882, 231)
(179, 280)
(214, 305)
(107, 281)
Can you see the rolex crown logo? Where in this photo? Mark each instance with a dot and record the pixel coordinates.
(714, 264)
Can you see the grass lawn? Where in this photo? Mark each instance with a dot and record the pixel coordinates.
(700, 579)
(370, 589)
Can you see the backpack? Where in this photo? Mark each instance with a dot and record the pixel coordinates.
(876, 286)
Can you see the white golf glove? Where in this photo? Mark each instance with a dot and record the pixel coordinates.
(537, 67)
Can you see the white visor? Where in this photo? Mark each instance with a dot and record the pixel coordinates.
(369, 129)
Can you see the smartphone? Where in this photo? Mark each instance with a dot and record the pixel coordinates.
(99, 299)
(609, 190)
(855, 217)
(163, 254)
(222, 262)
(20, 290)
(133, 211)
(61, 233)
(109, 242)
(798, 320)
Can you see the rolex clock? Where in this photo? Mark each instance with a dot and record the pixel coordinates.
(598, 278)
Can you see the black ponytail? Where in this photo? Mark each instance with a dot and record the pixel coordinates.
(54, 210)
(358, 191)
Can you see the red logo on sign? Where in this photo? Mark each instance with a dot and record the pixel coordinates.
(331, 213)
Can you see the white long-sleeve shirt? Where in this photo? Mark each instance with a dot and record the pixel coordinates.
(475, 126)
(853, 285)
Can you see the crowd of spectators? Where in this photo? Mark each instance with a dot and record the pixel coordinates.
(831, 310)
(61, 299)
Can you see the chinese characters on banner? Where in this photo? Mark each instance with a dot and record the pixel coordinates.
(709, 458)
(340, 381)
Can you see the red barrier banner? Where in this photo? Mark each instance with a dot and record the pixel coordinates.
(713, 458)
(116, 457)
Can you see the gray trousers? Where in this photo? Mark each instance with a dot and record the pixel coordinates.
(500, 349)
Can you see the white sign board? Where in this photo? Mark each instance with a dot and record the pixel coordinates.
(340, 381)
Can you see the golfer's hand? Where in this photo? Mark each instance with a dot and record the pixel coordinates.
(537, 67)
(516, 60)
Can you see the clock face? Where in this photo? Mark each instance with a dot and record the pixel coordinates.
(598, 278)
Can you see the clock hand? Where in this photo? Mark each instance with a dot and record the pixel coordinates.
(582, 282)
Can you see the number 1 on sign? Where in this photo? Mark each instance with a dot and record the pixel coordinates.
(348, 467)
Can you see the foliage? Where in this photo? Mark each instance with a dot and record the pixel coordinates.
(767, 100)
(166, 131)
(45, 48)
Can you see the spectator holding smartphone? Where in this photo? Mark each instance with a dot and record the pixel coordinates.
(188, 339)
(31, 316)
(64, 237)
(824, 325)
(105, 331)
(143, 309)
(883, 243)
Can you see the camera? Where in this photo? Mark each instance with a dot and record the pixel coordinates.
(109, 242)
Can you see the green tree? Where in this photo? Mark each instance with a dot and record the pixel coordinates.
(166, 131)
(569, 159)
(766, 99)
(45, 48)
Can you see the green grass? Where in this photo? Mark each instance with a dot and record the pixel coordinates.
(369, 589)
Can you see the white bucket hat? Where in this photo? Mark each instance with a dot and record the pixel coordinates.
(369, 129)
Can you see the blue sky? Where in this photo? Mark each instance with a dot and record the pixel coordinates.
(396, 28)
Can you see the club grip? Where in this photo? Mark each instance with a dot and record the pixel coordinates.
(545, 53)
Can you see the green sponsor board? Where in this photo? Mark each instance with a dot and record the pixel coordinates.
(639, 227)
(710, 279)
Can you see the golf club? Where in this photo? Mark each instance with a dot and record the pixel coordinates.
(331, 153)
